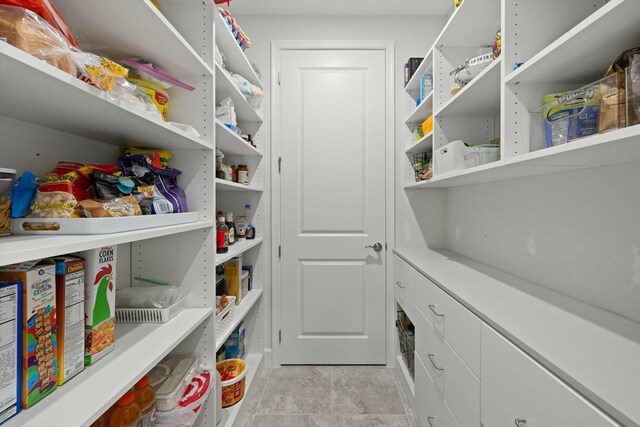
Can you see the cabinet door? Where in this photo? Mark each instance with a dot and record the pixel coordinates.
(406, 280)
(429, 409)
(516, 390)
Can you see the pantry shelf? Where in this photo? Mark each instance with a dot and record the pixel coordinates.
(138, 348)
(237, 249)
(254, 364)
(480, 97)
(224, 185)
(239, 313)
(21, 248)
(424, 144)
(421, 112)
(235, 59)
(225, 88)
(583, 53)
(38, 93)
(470, 22)
(413, 86)
(232, 144)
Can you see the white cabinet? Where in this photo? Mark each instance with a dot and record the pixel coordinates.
(516, 390)
(430, 410)
(405, 282)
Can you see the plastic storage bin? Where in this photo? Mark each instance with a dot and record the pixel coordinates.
(450, 158)
(633, 94)
(595, 108)
(150, 315)
(480, 155)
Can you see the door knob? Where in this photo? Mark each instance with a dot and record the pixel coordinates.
(376, 247)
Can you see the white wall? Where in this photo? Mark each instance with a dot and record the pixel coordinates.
(577, 233)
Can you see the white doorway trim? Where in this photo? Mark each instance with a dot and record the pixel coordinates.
(273, 357)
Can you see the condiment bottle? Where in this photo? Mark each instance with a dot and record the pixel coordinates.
(232, 228)
(222, 236)
(243, 174)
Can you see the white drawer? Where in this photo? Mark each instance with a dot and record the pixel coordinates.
(459, 327)
(454, 382)
(429, 409)
(404, 285)
(516, 387)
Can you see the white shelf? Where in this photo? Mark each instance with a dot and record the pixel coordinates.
(75, 107)
(584, 53)
(224, 185)
(235, 59)
(21, 248)
(239, 313)
(597, 150)
(474, 23)
(254, 364)
(232, 144)
(421, 112)
(138, 348)
(226, 89)
(140, 31)
(480, 97)
(413, 86)
(237, 249)
(424, 144)
(406, 381)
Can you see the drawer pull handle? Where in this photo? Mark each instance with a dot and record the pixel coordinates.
(429, 419)
(521, 422)
(432, 307)
(400, 285)
(431, 356)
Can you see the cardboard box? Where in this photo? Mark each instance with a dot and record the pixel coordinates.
(10, 348)
(39, 329)
(99, 302)
(234, 345)
(70, 276)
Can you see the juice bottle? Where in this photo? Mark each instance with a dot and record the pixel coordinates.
(126, 412)
(145, 397)
(103, 421)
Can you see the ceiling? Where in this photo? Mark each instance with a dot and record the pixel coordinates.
(342, 7)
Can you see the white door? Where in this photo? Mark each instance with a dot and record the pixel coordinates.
(332, 121)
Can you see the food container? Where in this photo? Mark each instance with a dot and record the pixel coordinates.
(7, 178)
(481, 154)
(450, 158)
(427, 125)
(170, 378)
(158, 95)
(633, 94)
(233, 388)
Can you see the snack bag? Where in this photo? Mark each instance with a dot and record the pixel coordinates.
(112, 208)
(46, 10)
(61, 190)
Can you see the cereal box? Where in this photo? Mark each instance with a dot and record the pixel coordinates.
(10, 346)
(99, 303)
(39, 329)
(70, 306)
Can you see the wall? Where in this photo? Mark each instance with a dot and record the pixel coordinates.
(577, 233)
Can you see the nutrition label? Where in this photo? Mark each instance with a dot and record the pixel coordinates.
(74, 324)
(8, 350)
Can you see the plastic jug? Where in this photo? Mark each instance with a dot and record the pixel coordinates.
(126, 412)
(145, 397)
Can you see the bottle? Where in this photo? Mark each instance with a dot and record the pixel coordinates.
(241, 228)
(145, 397)
(251, 231)
(222, 236)
(232, 228)
(126, 412)
(103, 421)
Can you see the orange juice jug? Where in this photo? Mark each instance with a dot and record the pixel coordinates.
(126, 412)
(145, 397)
(103, 421)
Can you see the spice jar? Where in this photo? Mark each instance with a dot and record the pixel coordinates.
(243, 174)
(234, 173)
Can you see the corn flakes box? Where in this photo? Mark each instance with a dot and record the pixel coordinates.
(39, 328)
(99, 303)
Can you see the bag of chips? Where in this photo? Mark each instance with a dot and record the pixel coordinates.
(61, 190)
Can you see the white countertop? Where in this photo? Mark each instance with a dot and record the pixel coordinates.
(595, 351)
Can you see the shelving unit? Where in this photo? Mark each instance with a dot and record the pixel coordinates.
(240, 312)
(238, 249)
(422, 111)
(421, 145)
(224, 185)
(232, 144)
(226, 89)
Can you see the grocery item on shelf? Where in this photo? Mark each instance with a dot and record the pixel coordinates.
(222, 236)
(220, 354)
(251, 92)
(234, 345)
(46, 10)
(241, 228)
(126, 412)
(251, 230)
(188, 408)
(219, 57)
(613, 103)
(422, 165)
(170, 379)
(633, 93)
(457, 3)
(149, 301)
(497, 45)
(410, 68)
(39, 327)
(232, 373)
(70, 284)
(470, 69)
(417, 134)
(61, 190)
(10, 352)
(7, 179)
(22, 194)
(247, 278)
(426, 86)
(427, 125)
(223, 171)
(158, 95)
(145, 397)
(243, 174)
(232, 275)
(241, 38)
(232, 228)
(118, 207)
(147, 71)
(222, 302)
(100, 289)
(226, 113)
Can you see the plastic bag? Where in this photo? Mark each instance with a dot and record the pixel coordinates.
(30, 33)
(112, 208)
(155, 296)
(252, 92)
(22, 194)
(225, 112)
(145, 70)
(61, 190)
(46, 10)
(188, 409)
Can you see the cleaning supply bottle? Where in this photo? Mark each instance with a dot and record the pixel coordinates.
(145, 397)
(126, 413)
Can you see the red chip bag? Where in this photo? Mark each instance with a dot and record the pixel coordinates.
(61, 190)
(48, 11)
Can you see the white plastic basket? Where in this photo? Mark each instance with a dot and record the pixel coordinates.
(225, 317)
(150, 315)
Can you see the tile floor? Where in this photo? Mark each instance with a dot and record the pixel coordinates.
(326, 396)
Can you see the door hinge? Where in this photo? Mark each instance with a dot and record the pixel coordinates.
(279, 251)
(280, 336)
(279, 164)
(279, 78)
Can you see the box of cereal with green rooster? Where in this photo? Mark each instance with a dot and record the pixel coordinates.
(99, 303)
(39, 328)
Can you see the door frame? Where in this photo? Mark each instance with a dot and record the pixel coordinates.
(272, 356)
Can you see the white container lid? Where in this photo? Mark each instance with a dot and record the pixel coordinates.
(8, 171)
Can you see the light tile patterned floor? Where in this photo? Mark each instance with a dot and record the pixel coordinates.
(326, 396)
